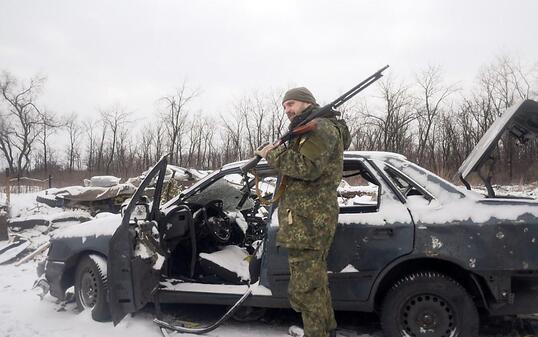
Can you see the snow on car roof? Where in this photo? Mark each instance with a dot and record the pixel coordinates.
(382, 155)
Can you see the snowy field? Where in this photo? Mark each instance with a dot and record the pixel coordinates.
(24, 314)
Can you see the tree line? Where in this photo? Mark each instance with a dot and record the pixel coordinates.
(433, 123)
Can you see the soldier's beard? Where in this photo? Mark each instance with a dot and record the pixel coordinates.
(291, 115)
(300, 117)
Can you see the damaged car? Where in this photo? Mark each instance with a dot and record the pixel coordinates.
(428, 256)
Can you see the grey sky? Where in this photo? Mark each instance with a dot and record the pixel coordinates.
(98, 53)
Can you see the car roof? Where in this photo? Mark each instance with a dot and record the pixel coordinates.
(380, 155)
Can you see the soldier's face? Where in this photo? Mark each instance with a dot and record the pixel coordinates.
(293, 108)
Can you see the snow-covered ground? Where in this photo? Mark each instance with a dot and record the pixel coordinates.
(24, 314)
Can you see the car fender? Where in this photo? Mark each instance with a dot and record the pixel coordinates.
(415, 262)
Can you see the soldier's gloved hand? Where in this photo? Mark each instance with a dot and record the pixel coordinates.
(263, 150)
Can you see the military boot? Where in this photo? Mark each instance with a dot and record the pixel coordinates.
(296, 331)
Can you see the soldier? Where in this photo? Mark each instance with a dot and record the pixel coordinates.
(311, 170)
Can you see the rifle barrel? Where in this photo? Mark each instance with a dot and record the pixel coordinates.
(358, 88)
(333, 105)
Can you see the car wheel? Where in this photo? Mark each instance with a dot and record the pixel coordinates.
(428, 304)
(91, 287)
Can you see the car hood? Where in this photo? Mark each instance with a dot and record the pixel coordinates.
(520, 119)
(104, 225)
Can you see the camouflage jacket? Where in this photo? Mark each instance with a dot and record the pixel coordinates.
(312, 164)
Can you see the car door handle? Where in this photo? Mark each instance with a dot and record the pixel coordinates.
(383, 233)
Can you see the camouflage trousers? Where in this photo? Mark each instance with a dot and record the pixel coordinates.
(308, 291)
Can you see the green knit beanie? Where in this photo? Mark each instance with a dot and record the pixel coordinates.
(299, 94)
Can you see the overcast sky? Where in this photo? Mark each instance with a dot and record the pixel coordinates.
(99, 53)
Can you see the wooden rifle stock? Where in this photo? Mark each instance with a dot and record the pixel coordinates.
(303, 129)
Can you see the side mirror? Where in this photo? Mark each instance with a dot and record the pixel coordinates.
(139, 213)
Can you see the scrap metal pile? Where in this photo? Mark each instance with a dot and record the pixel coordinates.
(35, 218)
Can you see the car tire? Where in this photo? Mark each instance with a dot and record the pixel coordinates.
(428, 304)
(91, 287)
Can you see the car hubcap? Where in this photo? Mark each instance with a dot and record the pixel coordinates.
(88, 289)
(427, 315)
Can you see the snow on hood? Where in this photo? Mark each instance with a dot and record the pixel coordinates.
(467, 209)
(105, 225)
(453, 204)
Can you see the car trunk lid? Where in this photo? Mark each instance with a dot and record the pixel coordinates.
(520, 119)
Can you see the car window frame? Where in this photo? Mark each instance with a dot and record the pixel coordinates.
(367, 166)
(427, 194)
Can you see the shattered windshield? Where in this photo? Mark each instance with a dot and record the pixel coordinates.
(229, 189)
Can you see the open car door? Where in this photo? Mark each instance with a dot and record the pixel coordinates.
(133, 267)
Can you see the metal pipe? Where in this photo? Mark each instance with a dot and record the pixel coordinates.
(198, 331)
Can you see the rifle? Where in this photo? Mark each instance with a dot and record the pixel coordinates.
(309, 124)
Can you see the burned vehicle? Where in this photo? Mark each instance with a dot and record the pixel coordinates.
(426, 255)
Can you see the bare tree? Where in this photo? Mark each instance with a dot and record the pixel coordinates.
(159, 131)
(363, 136)
(277, 118)
(100, 155)
(174, 118)
(197, 128)
(74, 133)
(501, 84)
(253, 112)
(89, 130)
(48, 125)
(115, 119)
(256, 119)
(433, 95)
(147, 146)
(207, 149)
(18, 120)
(395, 119)
(125, 159)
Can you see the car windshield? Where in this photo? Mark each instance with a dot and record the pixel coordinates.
(227, 189)
(230, 189)
(191, 188)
